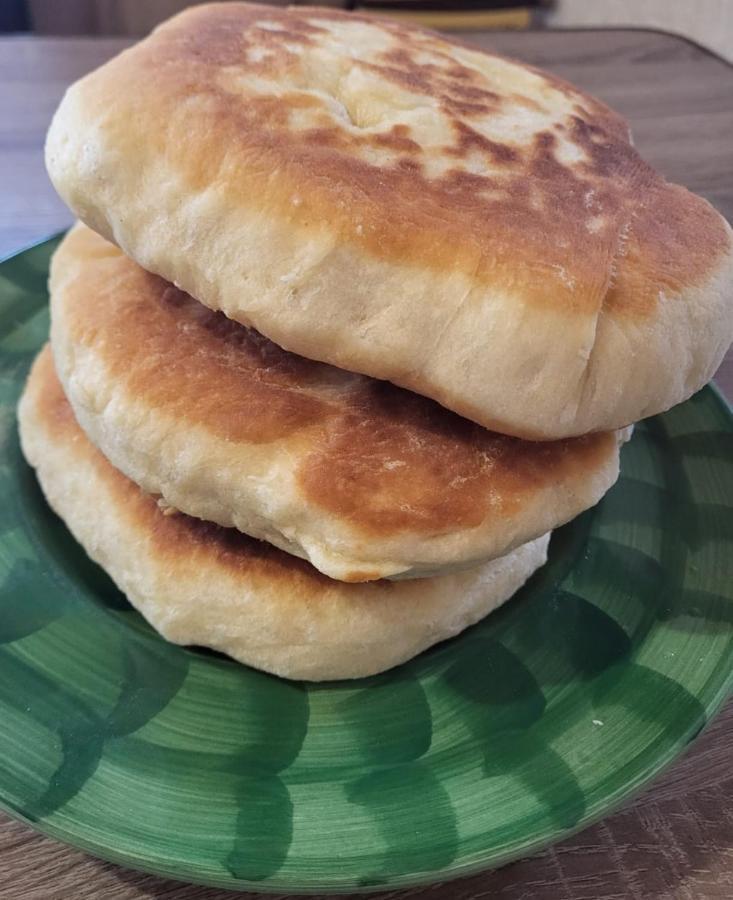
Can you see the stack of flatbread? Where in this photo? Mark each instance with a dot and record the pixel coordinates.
(356, 316)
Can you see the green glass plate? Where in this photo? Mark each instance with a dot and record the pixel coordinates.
(528, 726)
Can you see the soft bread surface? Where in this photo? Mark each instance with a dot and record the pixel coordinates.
(374, 196)
(197, 583)
(364, 479)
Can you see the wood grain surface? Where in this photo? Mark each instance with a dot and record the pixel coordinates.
(676, 841)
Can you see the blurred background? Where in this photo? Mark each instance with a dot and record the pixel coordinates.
(709, 22)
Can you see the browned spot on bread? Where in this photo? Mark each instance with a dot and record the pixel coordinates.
(667, 244)
(447, 83)
(460, 182)
(327, 136)
(408, 165)
(398, 138)
(521, 100)
(470, 139)
(182, 359)
(480, 95)
(391, 463)
(255, 397)
(606, 157)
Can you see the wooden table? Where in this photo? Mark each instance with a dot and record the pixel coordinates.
(676, 841)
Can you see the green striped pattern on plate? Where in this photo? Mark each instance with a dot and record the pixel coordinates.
(531, 724)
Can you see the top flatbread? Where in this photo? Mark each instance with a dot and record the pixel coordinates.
(374, 196)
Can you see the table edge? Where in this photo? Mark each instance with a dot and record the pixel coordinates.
(17, 36)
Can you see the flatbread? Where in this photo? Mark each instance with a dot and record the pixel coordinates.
(197, 583)
(363, 479)
(394, 203)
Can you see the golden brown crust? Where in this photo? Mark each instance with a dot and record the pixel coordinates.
(393, 461)
(178, 356)
(381, 459)
(523, 187)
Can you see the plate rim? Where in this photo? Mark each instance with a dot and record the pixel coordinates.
(446, 875)
(49, 236)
